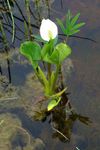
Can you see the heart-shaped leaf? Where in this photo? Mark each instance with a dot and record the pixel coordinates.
(32, 51)
(61, 51)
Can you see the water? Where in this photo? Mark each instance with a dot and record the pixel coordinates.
(83, 85)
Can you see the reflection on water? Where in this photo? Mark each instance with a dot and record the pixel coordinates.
(62, 122)
(63, 127)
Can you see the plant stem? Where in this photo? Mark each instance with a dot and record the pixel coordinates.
(13, 23)
(66, 39)
(6, 49)
(27, 2)
(41, 76)
(49, 70)
(56, 77)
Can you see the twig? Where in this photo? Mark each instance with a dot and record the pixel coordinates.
(11, 33)
(77, 148)
(62, 4)
(80, 37)
(59, 132)
(9, 98)
(2, 121)
(22, 20)
(29, 140)
(23, 16)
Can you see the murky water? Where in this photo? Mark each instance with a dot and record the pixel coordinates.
(81, 74)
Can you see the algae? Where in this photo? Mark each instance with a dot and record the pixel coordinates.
(14, 137)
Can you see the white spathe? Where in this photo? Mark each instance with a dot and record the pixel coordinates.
(48, 30)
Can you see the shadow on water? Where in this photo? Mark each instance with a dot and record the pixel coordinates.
(22, 106)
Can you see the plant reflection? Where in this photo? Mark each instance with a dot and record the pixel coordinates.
(65, 124)
(62, 120)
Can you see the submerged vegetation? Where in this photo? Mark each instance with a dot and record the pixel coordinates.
(14, 136)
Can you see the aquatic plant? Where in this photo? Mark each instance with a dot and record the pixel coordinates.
(52, 54)
(71, 26)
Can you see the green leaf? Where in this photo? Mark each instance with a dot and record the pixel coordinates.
(53, 103)
(59, 93)
(47, 51)
(61, 51)
(68, 18)
(71, 24)
(73, 32)
(78, 25)
(32, 51)
(61, 25)
(69, 15)
(74, 20)
(38, 38)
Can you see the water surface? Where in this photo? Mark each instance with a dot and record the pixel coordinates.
(83, 82)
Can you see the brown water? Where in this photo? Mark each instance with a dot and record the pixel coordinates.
(83, 83)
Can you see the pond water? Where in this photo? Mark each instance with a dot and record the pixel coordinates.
(19, 112)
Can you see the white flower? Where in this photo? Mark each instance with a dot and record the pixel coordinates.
(48, 30)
